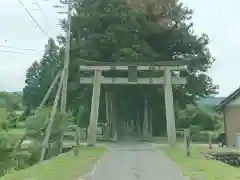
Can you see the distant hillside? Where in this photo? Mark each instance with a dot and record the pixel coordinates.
(20, 93)
(213, 101)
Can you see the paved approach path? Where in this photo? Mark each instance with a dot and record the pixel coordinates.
(135, 161)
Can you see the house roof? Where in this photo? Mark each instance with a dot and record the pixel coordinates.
(210, 101)
(228, 99)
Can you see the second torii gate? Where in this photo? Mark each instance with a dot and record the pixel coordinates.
(168, 80)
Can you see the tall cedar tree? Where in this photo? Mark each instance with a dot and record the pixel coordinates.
(40, 76)
(114, 30)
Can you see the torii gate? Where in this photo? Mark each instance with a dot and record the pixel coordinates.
(168, 80)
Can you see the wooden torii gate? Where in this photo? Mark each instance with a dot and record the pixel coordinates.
(167, 80)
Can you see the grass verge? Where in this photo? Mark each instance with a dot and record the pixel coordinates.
(63, 167)
(198, 167)
(12, 132)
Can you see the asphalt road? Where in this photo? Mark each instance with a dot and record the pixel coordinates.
(135, 161)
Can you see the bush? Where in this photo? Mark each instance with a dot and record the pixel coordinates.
(197, 135)
(203, 137)
(195, 129)
(12, 120)
(199, 138)
(37, 123)
(34, 149)
(22, 159)
(21, 125)
(9, 159)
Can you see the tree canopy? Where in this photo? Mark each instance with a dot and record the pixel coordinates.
(40, 76)
(118, 30)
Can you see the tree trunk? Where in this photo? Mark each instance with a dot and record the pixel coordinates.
(114, 121)
(145, 120)
(107, 133)
(111, 116)
(77, 137)
(121, 130)
(150, 121)
(138, 126)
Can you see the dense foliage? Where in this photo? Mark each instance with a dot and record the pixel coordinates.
(116, 30)
(36, 127)
(10, 101)
(205, 117)
(40, 76)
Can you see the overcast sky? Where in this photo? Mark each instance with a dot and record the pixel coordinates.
(219, 19)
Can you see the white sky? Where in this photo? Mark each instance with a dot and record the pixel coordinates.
(219, 19)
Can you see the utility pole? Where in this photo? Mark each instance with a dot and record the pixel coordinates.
(65, 71)
(63, 106)
(67, 56)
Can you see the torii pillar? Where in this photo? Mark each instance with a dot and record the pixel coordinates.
(92, 129)
(170, 117)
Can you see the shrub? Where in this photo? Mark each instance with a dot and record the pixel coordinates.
(203, 137)
(21, 125)
(195, 130)
(12, 120)
(8, 158)
(37, 123)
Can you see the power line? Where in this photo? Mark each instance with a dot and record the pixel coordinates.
(32, 17)
(39, 7)
(15, 52)
(18, 48)
(42, 12)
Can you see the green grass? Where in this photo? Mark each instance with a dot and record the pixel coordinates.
(12, 133)
(198, 167)
(64, 167)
